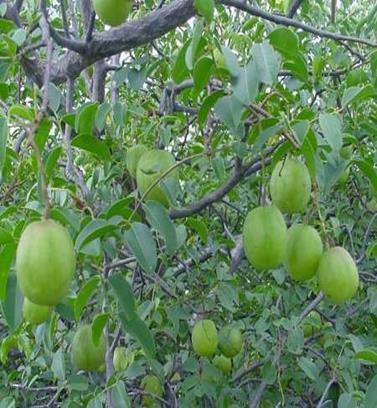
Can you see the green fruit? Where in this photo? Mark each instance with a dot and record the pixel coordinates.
(230, 341)
(112, 12)
(356, 77)
(290, 186)
(345, 152)
(152, 165)
(312, 324)
(204, 338)
(35, 314)
(152, 385)
(337, 273)
(45, 262)
(224, 364)
(304, 251)
(120, 359)
(219, 59)
(133, 156)
(264, 237)
(85, 354)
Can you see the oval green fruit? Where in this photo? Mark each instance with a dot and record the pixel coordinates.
(133, 156)
(45, 262)
(35, 314)
(120, 359)
(112, 12)
(264, 237)
(338, 276)
(344, 176)
(204, 338)
(223, 363)
(152, 165)
(345, 152)
(85, 354)
(312, 324)
(290, 186)
(304, 251)
(230, 341)
(152, 385)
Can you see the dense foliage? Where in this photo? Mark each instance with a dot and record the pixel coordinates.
(227, 89)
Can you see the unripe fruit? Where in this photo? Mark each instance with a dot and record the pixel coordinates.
(153, 385)
(219, 59)
(223, 363)
(152, 165)
(85, 354)
(304, 251)
(120, 359)
(290, 186)
(35, 314)
(344, 176)
(204, 338)
(337, 273)
(345, 152)
(45, 262)
(112, 12)
(264, 237)
(230, 341)
(132, 158)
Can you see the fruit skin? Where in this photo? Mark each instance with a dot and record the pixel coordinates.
(45, 262)
(345, 152)
(223, 363)
(85, 354)
(152, 165)
(151, 384)
(230, 341)
(120, 360)
(112, 12)
(35, 314)
(344, 176)
(290, 186)
(303, 253)
(133, 156)
(337, 274)
(264, 237)
(204, 338)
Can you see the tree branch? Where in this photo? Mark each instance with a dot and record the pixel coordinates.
(294, 8)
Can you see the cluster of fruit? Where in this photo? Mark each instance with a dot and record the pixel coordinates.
(206, 341)
(268, 244)
(148, 166)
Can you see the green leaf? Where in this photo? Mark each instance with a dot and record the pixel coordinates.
(103, 112)
(309, 368)
(84, 295)
(7, 254)
(141, 242)
(52, 160)
(192, 50)
(86, 118)
(246, 85)
(180, 71)
(93, 145)
(369, 171)
(331, 127)
(77, 383)
(202, 72)
(231, 61)
(3, 141)
(367, 354)
(21, 111)
(205, 8)
(140, 332)
(207, 104)
(58, 365)
(54, 97)
(158, 218)
(124, 294)
(98, 325)
(229, 110)
(12, 304)
(5, 237)
(93, 230)
(200, 227)
(285, 41)
(267, 62)
(120, 399)
(371, 394)
(357, 94)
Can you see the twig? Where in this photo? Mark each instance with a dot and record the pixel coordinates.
(325, 392)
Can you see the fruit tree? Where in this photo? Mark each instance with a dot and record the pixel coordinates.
(188, 203)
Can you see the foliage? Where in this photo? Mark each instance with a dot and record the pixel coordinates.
(229, 88)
